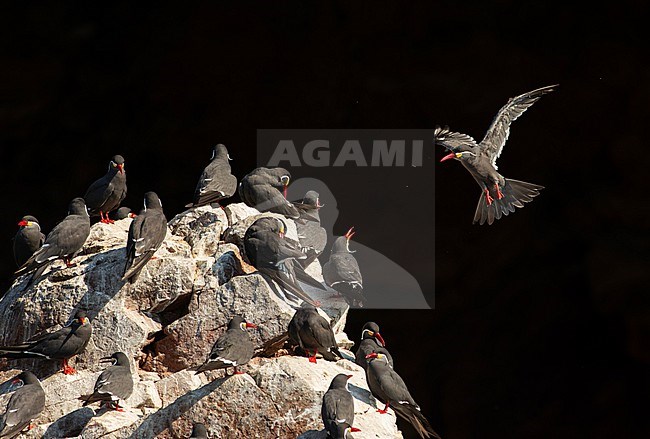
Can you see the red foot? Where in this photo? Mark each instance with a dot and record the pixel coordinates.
(69, 264)
(312, 359)
(384, 410)
(488, 198)
(499, 194)
(67, 369)
(239, 372)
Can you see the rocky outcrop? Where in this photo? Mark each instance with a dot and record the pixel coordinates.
(167, 322)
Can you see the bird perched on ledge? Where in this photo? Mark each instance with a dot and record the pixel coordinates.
(106, 194)
(500, 195)
(216, 181)
(25, 404)
(29, 238)
(115, 383)
(233, 349)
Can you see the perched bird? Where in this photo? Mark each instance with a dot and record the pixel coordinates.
(275, 256)
(217, 181)
(199, 432)
(122, 213)
(388, 387)
(61, 345)
(265, 189)
(233, 349)
(28, 239)
(371, 341)
(500, 195)
(313, 333)
(24, 405)
(115, 383)
(312, 237)
(337, 410)
(63, 242)
(146, 234)
(106, 194)
(342, 272)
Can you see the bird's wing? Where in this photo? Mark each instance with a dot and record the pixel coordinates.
(22, 406)
(224, 349)
(270, 199)
(499, 130)
(98, 192)
(67, 237)
(216, 182)
(322, 331)
(452, 140)
(346, 268)
(331, 408)
(146, 233)
(394, 387)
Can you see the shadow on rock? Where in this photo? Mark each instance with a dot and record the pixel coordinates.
(69, 425)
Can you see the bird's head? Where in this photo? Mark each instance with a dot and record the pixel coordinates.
(28, 221)
(375, 356)
(77, 207)
(117, 162)
(118, 358)
(371, 330)
(285, 180)
(239, 322)
(459, 155)
(81, 318)
(221, 152)
(151, 201)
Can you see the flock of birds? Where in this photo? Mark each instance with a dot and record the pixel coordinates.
(275, 256)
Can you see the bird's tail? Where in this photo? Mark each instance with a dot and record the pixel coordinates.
(515, 194)
(15, 352)
(416, 419)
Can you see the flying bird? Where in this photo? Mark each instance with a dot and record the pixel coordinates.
(146, 234)
(371, 341)
(265, 189)
(233, 349)
(199, 432)
(276, 256)
(312, 237)
(28, 239)
(389, 388)
(106, 194)
(313, 334)
(342, 272)
(500, 195)
(63, 242)
(25, 404)
(115, 383)
(217, 181)
(62, 345)
(337, 410)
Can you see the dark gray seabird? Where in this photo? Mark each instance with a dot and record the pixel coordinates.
(114, 384)
(28, 239)
(500, 195)
(25, 404)
(312, 237)
(199, 432)
(217, 181)
(233, 349)
(276, 256)
(106, 194)
(313, 334)
(388, 387)
(342, 272)
(62, 345)
(371, 341)
(122, 213)
(337, 410)
(265, 189)
(63, 242)
(146, 234)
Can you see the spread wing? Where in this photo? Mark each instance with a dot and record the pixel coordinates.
(499, 131)
(453, 141)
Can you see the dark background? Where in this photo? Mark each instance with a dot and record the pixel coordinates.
(542, 320)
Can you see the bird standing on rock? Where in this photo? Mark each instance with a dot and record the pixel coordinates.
(217, 181)
(63, 242)
(312, 237)
(62, 345)
(265, 189)
(106, 194)
(500, 195)
(313, 333)
(28, 239)
(146, 234)
(115, 383)
(233, 349)
(337, 410)
(371, 341)
(342, 272)
(25, 404)
(388, 387)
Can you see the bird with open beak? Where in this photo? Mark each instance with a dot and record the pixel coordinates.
(342, 271)
(500, 195)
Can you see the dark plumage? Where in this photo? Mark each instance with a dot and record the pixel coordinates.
(275, 256)
(115, 383)
(63, 242)
(337, 410)
(217, 181)
(106, 194)
(199, 432)
(265, 190)
(342, 272)
(388, 387)
(233, 349)
(28, 239)
(62, 345)
(312, 237)
(500, 195)
(313, 334)
(146, 234)
(371, 341)
(122, 213)
(24, 405)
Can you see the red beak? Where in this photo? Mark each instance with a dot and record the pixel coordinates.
(380, 338)
(448, 156)
(354, 429)
(251, 325)
(350, 233)
(284, 191)
(349, 376)
(132, 215)
(22, 223)
(372, 355)
(120, 168)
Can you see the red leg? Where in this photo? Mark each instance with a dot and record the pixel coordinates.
(312, 359)
(67, 369)
(499, 194)
(117, 407)
(238, 372)
(68, 263)
(488, 197)
(385, 410)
